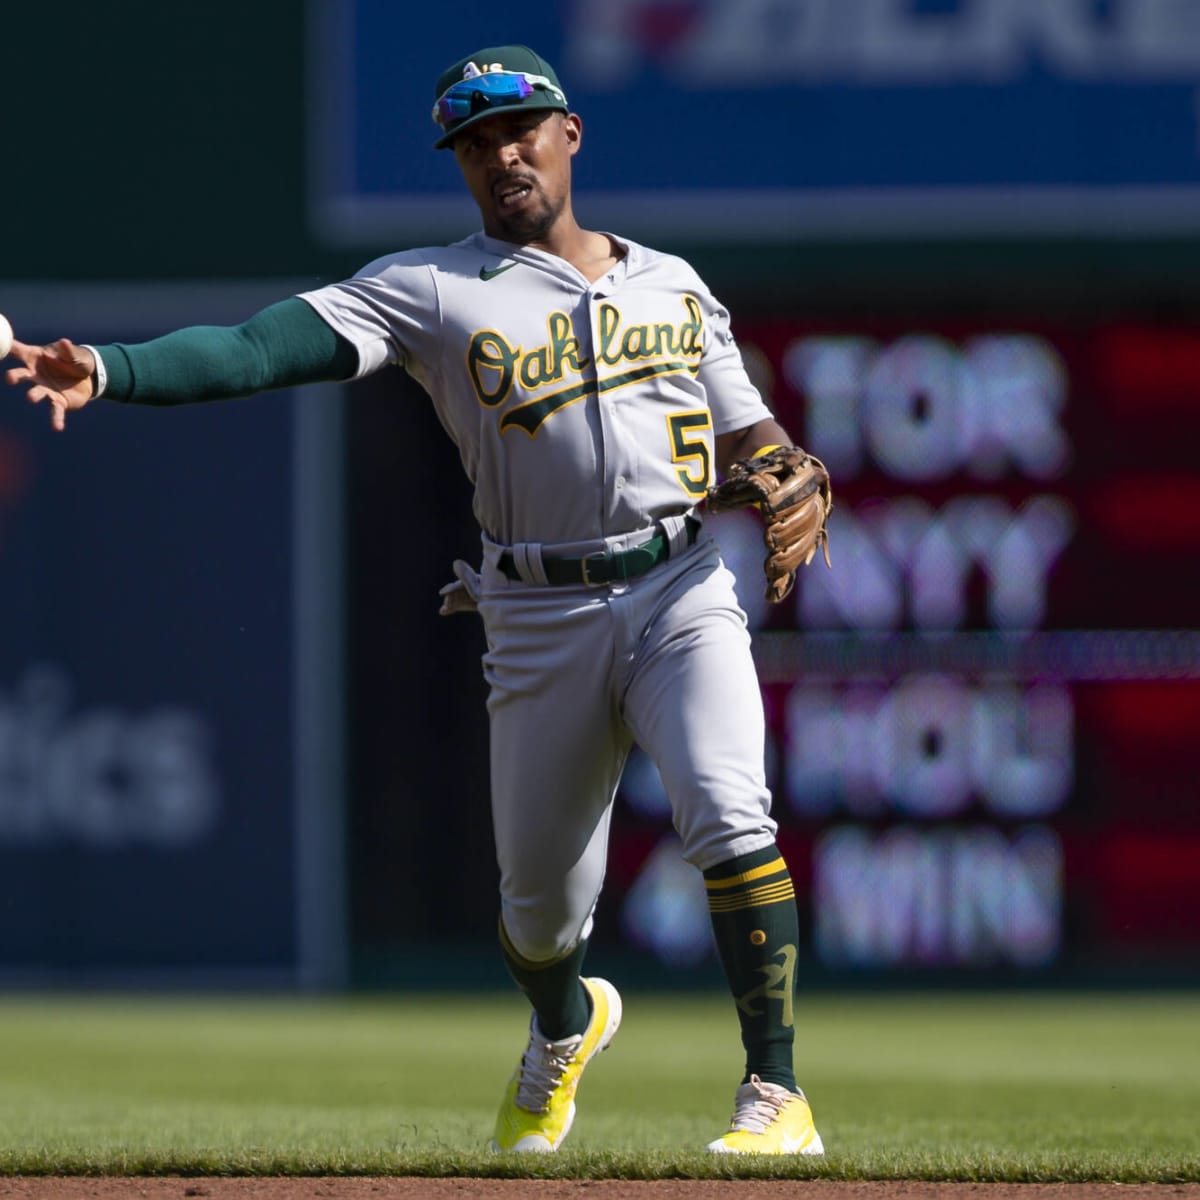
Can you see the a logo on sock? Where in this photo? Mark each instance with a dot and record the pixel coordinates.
(779, 984)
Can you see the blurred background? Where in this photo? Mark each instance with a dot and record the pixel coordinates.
(961, 243)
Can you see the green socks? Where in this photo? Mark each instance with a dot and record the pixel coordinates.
(553, 988)
(753, 908)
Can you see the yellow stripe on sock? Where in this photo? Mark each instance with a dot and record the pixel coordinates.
(779, 886)
(772, 893)
(771, 868)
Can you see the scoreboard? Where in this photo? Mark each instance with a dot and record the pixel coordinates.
(984, 721)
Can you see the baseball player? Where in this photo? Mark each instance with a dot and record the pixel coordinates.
(593, 389)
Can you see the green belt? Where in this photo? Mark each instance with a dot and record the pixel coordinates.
(604, 566)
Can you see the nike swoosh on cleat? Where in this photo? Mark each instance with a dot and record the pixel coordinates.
(485, 274)
(814, 1146)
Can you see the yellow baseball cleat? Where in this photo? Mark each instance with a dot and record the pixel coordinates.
(768, 1119)
(539, 1102)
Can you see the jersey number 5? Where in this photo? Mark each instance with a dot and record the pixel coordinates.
(689, 447)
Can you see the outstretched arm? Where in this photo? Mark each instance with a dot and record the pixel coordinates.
(285, 345)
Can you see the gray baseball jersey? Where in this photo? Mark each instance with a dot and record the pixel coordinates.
(581, 410)
(585, 413)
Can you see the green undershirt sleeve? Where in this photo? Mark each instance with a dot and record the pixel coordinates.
(284, 345)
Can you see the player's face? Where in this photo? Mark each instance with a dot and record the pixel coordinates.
(517, 166)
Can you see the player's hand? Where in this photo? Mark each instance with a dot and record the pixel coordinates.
(60, 373)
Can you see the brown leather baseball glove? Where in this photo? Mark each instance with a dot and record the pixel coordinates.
(791, 490)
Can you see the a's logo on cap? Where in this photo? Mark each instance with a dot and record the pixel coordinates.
(471, 71)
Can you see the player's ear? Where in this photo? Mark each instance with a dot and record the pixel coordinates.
(572, 127)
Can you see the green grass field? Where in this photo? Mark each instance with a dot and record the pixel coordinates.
(973, 1087)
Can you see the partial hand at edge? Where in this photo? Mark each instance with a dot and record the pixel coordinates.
(60, 372)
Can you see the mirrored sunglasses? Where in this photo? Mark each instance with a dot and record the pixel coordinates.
(491, 89)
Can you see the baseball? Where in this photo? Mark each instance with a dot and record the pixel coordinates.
(5, 336)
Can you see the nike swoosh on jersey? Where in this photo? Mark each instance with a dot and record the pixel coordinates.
(485, 274)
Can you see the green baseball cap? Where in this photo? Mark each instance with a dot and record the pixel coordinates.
(496, 77)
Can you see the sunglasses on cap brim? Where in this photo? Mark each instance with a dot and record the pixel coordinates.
(493, 89)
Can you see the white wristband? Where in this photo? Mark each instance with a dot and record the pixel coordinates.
(100, 375)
